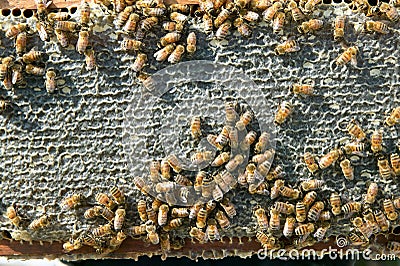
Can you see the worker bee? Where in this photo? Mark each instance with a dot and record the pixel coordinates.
(207, 187)
(357, 240)
(384, 168)
(381, 220)
(42, 31)
(178, 17)
(195, 127)
(191, 42)
(69, 26)
(347, 169)
(310, 162)
(180, 212)
(84, 17)
(222, 17)
(304, 89)
(174, 162)
(176, 55)
(154, 168)
(7, 83)
(104, 200)
(62, 37)
(201, 218)
(315, 211)
(311, 184)
(335, 202)
(223, 30)
(207, 24)
(304, 229)
(172, 26)
(131, 23)
(180, 7)
(212, 230)
(50, 81)
(268, 242)
(124, 16)
(12, 215)
(351, 207)
(297, 14)
(71, 246)
(350, 54)
(270, 12)
(321, 232)
(32, 56)
(221, 159)
(395, 162)
(14, 30)
(59, 16)
(275, 173)
(131, 45)
(376, 26)
(262, 143)
(16, 74)
(250, 16)
(39, 223)
(260, 5)
(369, 219)
(119, 219)
(142, 207)
(72, 201)
(262, 219)
(329, 158)
(372, 192)
(118, 195)
(153, 237)
(222, 220)
(198, 234)
(92, 212)
(102, 230)
(390, 11)
(248, 140)
(83, 41)
(354, 147)
(217, 193)
(165, 169)
(301, 214)
(198, 183)
(242, 27)
(309, 198)
(152, 216)
(41, 6)
(274, 222)
(389, 210)
(393, 246)
(310, 5)
(362, 227)
(207, 6)
(265, 157)
(229, 208)
(34, 70)
(338, 32)
(201, 157)
(107, 214)
(148, 23)
(154, 11)
(20, 43)
(277, 24)
(284, 110)
(234, 163)
(139, 63)
(164, 53)
(212, 139)
(6, 64)
(288, 228)
(244, 120)
(223, 137)
(275, 189)
(394, 117)
(117, 240)
(285, 208)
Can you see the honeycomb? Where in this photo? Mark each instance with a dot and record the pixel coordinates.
(102, 128)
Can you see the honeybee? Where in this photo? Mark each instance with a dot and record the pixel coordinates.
(104, 200)
(304, 229)
(244, 120)
(180, 7)
(154, 11)
(309, 198)
(285, 208)
(260, 5)
(338, 32)
(354, 147)
(297, 14)
(212, 139)
(262, 219)
(137, 230)
(364, 229)
(165, 187)
(217, 193)
(165, 169)
(394, 117)
(351, 207)
(176, 55)
(265, 157)
(212, 230)
(183, 180)
(14, 30)
(124, 16)
(248, 140)
(320, 233)
(395, 162)
(376, 26)
(270, 12)
(242, 27)
(369, 219)
(393, 246)
(250, 16)
(39, 223)
(315, 211)
(6, 64)
(372, 192)
(174, 162)
(58, 16)
(20, 43)
(207, 6)
(288, 228)
(41, 6)
(310, 162)
(119, 219)
(163, 54)
(72, 201)
(277, 24)
(154, 169)
(222, 17)
(50, 81)
(312, 184)
(117, 240)
(223, 30)
(12, 215)
(34, 70)
(229, 208)
(310, 5)
(139, 63)
(17, 76)
(381, 220)
(198, 234)
(172, 26)
(384, 168)
(42, 31)
(357, 240)
(151, 216)
(83, 41)
(284, 110)
(329, 158)
(199, 180)
(153, 237)
(92, 212)
(207, 24)
(274, 222)
(275, 173)
(207, 187)
(275, 190)
(234, 163)
(62, 37)
(301, 214)
(390, 11)
(221, 159)
(131, 45)
(347, 169)
(131, 23)
(178, 17)
(148, 23)
(171, 37)
(195, 127)
(350, 54)
(305, 89)
(107, 214)
(201, 218)
(66, 26)
(71, 246)
(389, 210)
(31, 56)
(267, 241)
(7, 83)
(222, 220)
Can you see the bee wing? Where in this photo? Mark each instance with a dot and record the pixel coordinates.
(294, 49)
(353, 61)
